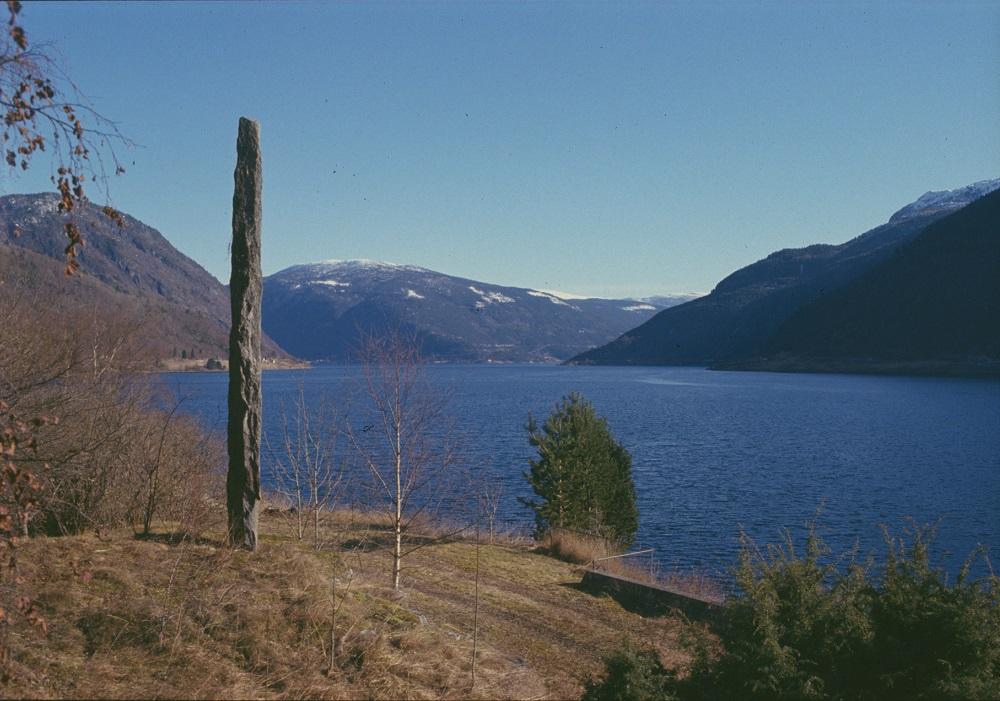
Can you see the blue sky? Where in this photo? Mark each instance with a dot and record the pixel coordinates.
(612, 149)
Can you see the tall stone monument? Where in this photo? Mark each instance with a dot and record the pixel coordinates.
(243, 478)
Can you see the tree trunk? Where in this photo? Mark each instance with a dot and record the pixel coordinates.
(397, 552)
(397, 524)
(243, 479)
(316, 524)
(475, 616)
(299, 518)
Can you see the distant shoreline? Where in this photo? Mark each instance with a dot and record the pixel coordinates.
(981, 368)
(973, 369)
(199, 365)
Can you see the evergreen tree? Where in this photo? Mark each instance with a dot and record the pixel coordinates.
(582, 476)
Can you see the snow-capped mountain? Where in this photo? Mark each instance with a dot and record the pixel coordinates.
(946, 200)
(665, 301)
(932, 307)
(317, 310)
(736, 320)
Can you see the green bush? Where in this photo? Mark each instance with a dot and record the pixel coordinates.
(632, 675)
(932, 639)
(807, 627)
(797, 631)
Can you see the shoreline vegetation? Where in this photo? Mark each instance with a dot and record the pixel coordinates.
(222, 365)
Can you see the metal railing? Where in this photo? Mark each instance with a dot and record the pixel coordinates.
(600, 564)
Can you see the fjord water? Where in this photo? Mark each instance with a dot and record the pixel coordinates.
(714, 452)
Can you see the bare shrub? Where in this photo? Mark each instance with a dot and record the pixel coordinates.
(19, 492)
(305, 465)
(489, 497)
(519, 535)
(37, 109)
(114, 456)
(172, 467)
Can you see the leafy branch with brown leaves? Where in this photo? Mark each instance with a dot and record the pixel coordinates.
(44, 111)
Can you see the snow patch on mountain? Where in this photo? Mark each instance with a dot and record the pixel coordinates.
(553, 299)
(490, 297)
(639, 308)
(330, 283)
(365, 264)
(412, 294)
(669, 300)
(565, 295)
(37, 207)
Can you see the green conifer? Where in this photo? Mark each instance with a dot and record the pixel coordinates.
(582, 476)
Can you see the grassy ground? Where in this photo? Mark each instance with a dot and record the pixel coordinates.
(153, 617)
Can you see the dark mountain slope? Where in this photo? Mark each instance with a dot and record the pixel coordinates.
(316, 311)
(745, 309)
(936, 299)
(132, 267)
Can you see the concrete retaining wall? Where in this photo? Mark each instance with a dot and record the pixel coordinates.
(649, 599)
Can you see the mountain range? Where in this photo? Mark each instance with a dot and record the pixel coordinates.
(317, 311)
(132, 271)
(739, 318)
(919, 292)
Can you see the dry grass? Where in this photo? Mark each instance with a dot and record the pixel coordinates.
(583, 549)
(696, 583)
(577, 547)
(160, 618)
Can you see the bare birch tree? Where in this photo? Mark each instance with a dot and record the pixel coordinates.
(490, 495)
(403, 441)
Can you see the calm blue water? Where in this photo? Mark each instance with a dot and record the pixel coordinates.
(717, 451)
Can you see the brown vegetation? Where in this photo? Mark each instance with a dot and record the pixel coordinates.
(181, 617)
(115, 452)
(36, 276)
(606, 556)
(86, 445)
